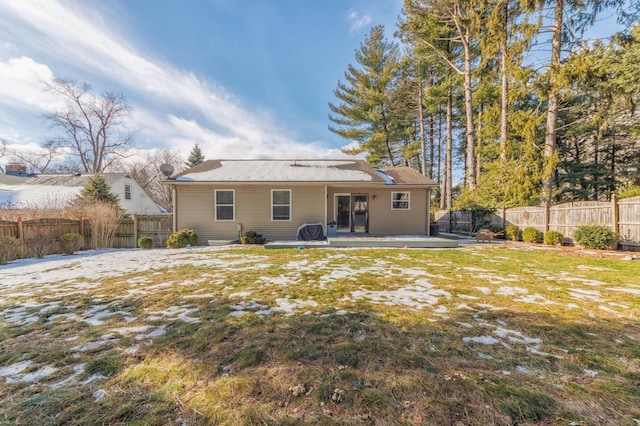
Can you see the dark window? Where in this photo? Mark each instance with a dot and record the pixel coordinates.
(281, 204)
(225, 204)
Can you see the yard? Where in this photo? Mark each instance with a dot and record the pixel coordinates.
(480, 335)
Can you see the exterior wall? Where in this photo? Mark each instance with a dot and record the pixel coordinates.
(195, 210)
(383, 221)
(140, 202)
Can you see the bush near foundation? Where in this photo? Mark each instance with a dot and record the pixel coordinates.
(252, 237)
(182, 238)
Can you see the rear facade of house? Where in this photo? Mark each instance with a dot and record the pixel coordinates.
(223, 199)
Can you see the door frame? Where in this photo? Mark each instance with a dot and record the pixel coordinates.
(351, 210)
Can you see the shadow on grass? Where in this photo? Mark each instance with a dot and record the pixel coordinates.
(366, 367)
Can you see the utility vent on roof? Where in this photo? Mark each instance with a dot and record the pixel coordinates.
(388, 179)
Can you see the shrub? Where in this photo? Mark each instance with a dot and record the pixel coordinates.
(497, 229)
(145, 242)
(70, 243)
(40, 244)
(10, 249)
(512, 232)
(102, 219)
(251, 237)
(596, 237)
(553, 238)
(531, 235)
(182, 238)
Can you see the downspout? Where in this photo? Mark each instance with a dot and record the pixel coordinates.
(326, 206)
(175, 207)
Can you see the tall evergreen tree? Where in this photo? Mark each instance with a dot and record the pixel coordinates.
(362, 114)
(571, 18)
(195, 157)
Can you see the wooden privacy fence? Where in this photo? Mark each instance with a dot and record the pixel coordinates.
(158, 227)
(623, 216)
(42, 234)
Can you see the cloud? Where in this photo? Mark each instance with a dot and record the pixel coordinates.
(357, 21)
(23, 83)
(177, 106)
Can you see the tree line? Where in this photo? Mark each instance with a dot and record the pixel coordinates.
(507, 95)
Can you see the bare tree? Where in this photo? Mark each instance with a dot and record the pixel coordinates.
(36, 160)
(146, 171)
(92, 127)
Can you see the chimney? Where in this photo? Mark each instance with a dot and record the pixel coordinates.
(16, 169)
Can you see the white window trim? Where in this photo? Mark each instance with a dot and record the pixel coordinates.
(215, 205)
(408, 200)
(290, 206)
(127, 191)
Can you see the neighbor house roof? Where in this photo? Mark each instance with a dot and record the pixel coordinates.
(47, 190)
(318, 171)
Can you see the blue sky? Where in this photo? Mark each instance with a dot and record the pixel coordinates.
(243, 78)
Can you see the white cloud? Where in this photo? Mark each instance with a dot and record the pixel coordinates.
(23, 83)
(208, 113)
(357, 21)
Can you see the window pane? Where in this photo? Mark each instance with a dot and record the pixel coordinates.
(224, 212)
(400, 200)
(281, 197)
(224, 197)
(280, 212)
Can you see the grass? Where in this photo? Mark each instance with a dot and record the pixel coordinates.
(370, 336)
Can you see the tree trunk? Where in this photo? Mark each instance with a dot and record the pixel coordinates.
(423, 149)
(432, 145)
(552, 111)
(468, 104)
(504, 95)
(448, 164)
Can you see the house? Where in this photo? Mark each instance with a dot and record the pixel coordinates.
(20, 189)
(222, 199)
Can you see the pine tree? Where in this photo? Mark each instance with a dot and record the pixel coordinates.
(97, 190)
(363, 112)
(195, 157)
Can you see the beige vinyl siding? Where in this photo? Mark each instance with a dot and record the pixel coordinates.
(252, 211)
(382, 219)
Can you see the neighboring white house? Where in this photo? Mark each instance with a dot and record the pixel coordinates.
(57, 190)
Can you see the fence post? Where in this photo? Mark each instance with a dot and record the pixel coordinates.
(616, 214)
(20, 230)
(547, 216)
(81, 232)
(135, 230)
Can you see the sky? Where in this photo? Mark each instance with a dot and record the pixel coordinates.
(242, 78)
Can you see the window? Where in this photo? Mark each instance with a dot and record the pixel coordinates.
(400, 200)
(225, 204)
(127, 191)
(281, 204)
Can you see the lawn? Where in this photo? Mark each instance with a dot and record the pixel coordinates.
(480, 335)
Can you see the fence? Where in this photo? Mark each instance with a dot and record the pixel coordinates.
(623, 216)
(41, 234)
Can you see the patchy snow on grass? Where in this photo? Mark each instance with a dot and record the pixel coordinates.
(174, 313)
(290, 306)
(485, 340)
(14, 373)
(418, 296)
